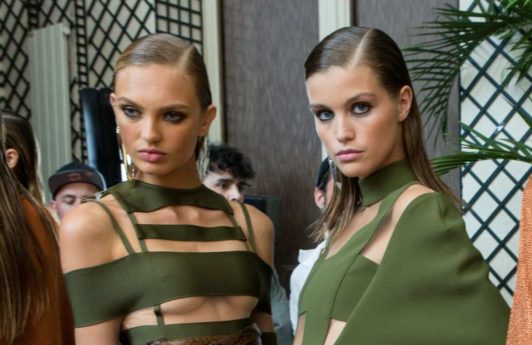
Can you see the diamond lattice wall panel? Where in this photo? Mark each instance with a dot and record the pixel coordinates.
(111, 26)
(181, 18)
(101, 29)
(491, 190)
(14, 83)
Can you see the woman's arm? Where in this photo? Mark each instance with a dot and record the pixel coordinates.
(86, 239)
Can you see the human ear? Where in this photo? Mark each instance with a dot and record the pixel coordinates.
(319, 198)
(206, 121)
(405, 102)
(12, 158)
(112, 99)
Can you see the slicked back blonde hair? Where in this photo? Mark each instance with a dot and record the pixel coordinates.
(169, 50)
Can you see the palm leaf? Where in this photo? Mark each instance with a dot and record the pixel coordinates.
(443, 165)
(481, 147)
(437, 61)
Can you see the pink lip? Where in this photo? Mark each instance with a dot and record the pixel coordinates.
(348, 155)
(151, 155)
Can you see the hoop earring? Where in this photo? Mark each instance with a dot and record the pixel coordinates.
(130, 168)
(202, 156)
(333, 170)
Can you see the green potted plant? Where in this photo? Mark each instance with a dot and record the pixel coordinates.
(436, 63)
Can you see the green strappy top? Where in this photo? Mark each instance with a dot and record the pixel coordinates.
(431, 286)
(147, 279)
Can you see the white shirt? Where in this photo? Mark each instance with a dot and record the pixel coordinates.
(307, 259)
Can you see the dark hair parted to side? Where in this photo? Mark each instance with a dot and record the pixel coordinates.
(166, 49)
(23, 266)
(226, 158)
(19, 136)
(356, 46)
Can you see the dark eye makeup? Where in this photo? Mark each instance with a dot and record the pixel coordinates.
(324, 115)
(360, 108)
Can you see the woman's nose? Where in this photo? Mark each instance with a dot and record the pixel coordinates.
(344, 129)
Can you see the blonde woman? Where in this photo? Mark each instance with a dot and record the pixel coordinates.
(161, 259)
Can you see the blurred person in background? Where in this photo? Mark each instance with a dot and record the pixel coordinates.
(71, 183)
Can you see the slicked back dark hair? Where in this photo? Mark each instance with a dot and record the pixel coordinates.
(351, 47)
(223, 157)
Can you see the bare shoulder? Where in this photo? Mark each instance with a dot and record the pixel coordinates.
(86, 237)
(263, 230)
(408, 196)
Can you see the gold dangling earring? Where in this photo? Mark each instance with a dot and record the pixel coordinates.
(202, 158)
(125, 158)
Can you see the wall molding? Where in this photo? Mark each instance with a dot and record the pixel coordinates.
(213, 61)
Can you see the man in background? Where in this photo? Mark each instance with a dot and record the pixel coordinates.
(229, 173)
(71, 183)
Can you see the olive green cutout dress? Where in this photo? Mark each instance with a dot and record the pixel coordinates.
(148, 279)
(431, 286)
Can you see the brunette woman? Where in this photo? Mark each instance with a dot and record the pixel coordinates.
(161, 259)
(34, 305)
(398, 267)
(22, 153)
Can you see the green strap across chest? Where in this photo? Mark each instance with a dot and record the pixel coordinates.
(118, 230)
(139, 196)
(190, 233)
(249, 226)
(142, 280)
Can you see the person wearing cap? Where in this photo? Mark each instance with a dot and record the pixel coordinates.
(71, 183)
(307, 257)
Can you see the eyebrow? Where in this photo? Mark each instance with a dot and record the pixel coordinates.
(224, 179)
(176, 106)
(314, 107)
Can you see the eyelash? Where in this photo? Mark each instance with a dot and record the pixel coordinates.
(172, 116)
(179, 116)
(367, 107)
(320, 115)
(129, 111)
(326, 115)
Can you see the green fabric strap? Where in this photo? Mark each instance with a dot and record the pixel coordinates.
(142, 280)
(116, 227)
(377, 186)
(139, 196)
(135, 223)
(158, 314)
(186, 232)
(249, 226)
